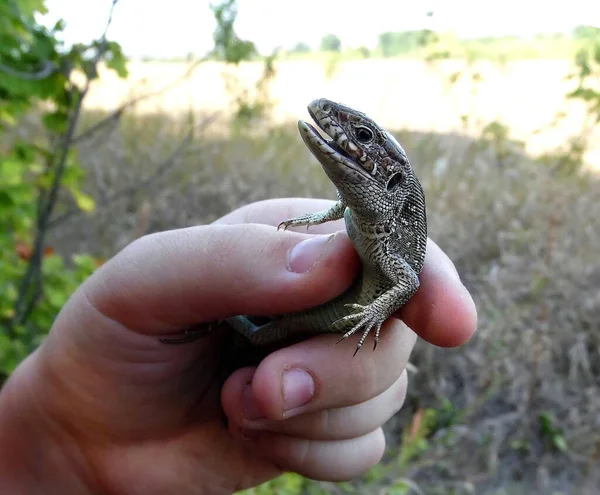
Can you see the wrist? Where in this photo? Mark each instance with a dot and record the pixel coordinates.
(38, 455)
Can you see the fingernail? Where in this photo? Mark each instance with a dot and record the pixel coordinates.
(298, 390)
(249, 407)
(304, 255)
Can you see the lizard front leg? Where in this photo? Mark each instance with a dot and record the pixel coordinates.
(336, 212)
(372, 316)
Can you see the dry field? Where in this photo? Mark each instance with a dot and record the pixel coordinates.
(517, 409)
(526, 95)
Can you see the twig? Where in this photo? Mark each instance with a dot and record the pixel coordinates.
(160, 169)
(100, 179)
(38, 285)
(46, 207)
(108, 21)
(47, 69)
(116, 114)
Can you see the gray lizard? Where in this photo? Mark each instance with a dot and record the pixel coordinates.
(383, 205)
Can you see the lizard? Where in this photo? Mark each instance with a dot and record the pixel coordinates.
(383, 205)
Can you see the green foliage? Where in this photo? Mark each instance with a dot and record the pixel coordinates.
(286, 484)
(587, 61)
(551, 433)
(430, 45)
(496, 137)
(568, 159)
(586, 32)
(35, 73)
(301, 47)
(59, 282)
(233, 50)
(331, 43)
(364, 52)
(392, 44)
(415, 441)
(229, 47)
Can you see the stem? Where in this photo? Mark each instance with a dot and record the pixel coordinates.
(32, 279)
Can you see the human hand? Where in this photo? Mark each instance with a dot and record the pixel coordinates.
(103, 406)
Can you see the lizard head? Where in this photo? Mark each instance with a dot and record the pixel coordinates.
(360, 158)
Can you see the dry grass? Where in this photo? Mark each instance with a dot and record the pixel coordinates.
(525, 241)
(525, 95)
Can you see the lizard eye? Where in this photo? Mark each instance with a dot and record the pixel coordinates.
(364, 134)
(394, 181)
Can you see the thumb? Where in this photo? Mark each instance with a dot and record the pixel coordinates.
(167, 281)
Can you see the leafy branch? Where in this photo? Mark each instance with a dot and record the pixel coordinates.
(31, 286)
(587, 62)
(37, 77)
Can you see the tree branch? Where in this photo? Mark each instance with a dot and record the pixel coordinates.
(109, 20)
(57, 162)
(47, 69)
(47, 205)
(114, 116)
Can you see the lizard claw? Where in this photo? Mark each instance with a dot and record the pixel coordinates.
(294, 223)
(368, 320)
(360, 307)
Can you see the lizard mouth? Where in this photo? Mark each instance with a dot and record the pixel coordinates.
(328, 131)
(328, 141)
(325, 149)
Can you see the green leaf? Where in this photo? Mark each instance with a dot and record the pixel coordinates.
(545, 423)
(6, 200)
(25, 152)
(11, 171)
(84, 201)
(73, 173)
(53, 264)
(20, 193)
(56, 121)
(30, 7)
(59, 26)
(116, 60)
(7, 118)
(559, 442)
(84, 262)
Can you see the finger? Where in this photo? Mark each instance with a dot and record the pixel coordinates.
(317, 374)
(274, 211)
(442, 311)
(166, 281)
(336, 460)
(340, 423)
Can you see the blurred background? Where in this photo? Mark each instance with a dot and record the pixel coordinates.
(122, 118)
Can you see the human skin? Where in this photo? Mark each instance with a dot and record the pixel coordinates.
(102, 406)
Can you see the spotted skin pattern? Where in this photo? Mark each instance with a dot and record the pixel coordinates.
(383, 205)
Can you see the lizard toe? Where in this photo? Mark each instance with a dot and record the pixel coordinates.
(360, 307)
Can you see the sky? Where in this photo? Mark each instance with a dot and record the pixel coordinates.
(177, 27)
